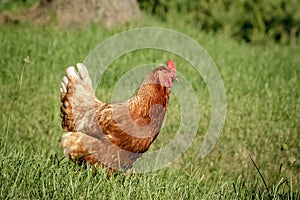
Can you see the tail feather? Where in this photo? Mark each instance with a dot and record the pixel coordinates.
(77, 97)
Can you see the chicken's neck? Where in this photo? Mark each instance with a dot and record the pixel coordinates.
(151, 99)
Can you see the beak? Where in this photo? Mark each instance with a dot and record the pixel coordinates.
(175, 78)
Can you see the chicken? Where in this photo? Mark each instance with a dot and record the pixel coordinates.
(113, 135)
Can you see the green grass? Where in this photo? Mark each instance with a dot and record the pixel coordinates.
(15, 5)
(262, 88)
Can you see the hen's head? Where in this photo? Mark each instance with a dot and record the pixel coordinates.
(163, 75)
(166, 75)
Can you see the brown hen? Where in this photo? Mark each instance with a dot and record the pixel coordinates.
(112, 135)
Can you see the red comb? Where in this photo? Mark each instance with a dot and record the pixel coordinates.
(171, 65)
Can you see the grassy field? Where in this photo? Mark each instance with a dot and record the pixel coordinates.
(263, 120)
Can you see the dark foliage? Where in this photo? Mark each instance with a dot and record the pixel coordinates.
(257, 21)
